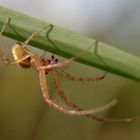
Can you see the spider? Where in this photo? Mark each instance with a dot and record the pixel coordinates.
(26, 59)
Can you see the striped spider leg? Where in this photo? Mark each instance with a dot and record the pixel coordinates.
(71, 103)
(45, 94)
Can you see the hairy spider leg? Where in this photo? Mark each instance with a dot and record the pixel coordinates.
(59, 64)
(97, 118)
(75, 106)
(46, 96)
(34, 35)
(69, 61)
(71, 77)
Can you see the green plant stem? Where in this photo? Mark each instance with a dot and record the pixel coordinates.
(68, 44)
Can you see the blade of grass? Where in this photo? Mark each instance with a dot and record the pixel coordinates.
(68, 44)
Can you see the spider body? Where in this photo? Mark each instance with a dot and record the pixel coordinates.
(18, 52)
(33, 61)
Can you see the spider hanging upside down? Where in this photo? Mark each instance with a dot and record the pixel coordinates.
(26, 59)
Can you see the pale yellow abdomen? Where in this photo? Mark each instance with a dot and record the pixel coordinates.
(18, 53)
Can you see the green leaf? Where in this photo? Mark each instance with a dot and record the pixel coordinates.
(68, 44)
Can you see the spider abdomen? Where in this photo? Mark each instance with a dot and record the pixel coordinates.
(18, 53)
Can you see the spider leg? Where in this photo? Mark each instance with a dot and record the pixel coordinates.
(57, 106)
(4, 26)
(69, 102)
(7, 61)
(35, 34)
(70, 60)
(71, 77)
(59, 64)
(73, 105)
(20, 60)
(3, 56)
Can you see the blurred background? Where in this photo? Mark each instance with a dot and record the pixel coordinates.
(24, 115)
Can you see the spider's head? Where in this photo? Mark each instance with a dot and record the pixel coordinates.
(19, 52)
